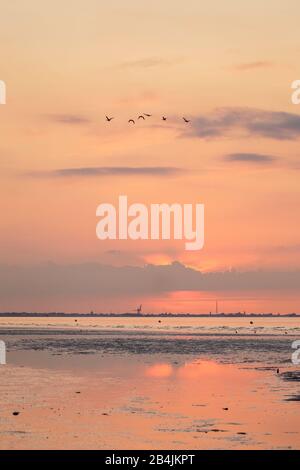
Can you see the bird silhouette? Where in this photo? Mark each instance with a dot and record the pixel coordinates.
(186, 120)
(277, 371)
(109, 118)
(164, 118)
(147, 115)
(141, 117)
(131, 120)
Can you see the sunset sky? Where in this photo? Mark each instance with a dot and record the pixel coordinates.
(228, 67)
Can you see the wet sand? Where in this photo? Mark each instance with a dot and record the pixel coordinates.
(78, 389)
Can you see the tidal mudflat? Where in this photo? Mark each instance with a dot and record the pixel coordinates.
(139, 384)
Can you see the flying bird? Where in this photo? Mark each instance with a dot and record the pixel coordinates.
(164, 118)
(141, 117)
(109, 118)
(131, 120)
(139, 310)
(186, 120)
(147, 115)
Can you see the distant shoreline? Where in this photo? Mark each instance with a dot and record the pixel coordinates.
(146, 315)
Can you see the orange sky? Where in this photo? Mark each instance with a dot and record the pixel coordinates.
(66, 65)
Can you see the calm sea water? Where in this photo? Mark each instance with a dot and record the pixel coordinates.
(206, 325)
(266, 341)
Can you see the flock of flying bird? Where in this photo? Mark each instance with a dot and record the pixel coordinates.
(144, 116)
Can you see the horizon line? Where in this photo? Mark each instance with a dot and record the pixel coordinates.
(162, 314)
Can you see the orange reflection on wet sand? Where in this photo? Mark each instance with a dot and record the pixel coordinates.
(159, 370)
(146, 402)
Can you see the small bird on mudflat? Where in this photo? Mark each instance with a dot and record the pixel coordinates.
(109, 118)
(147, 115)
(164, 118)
(186, 120)
(131, 121)
(141, 117)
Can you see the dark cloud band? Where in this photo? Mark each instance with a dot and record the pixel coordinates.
(61, 281)
(107, 171)
(248, 121)
(250, 158)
